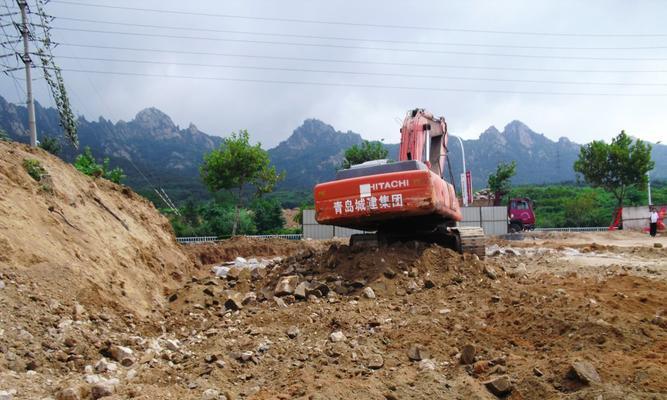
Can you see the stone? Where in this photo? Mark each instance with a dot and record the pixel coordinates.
(286, 286)
(292, 332)
(280, 302)
(7, 394)
(417, 352)
(102, 366)
(247, 355)
(468, 354)
(103, 389)
(337, 336)
(412, 287)
(172, 344)
(368, 292)
(495, 298)
(427, 365)
(490, 272)
(500, 386)
(317, 289)
(77, 311)
(518, 272)
(657, 245)
(389, 273)
(68, 394)
(234, 301)
(249, 298)
(210, 394)
(584, 372)
(429, 283)
(233, 274)
(375, 361)
(300, 291)
(122, 354)
(537, 372)
(2, 284)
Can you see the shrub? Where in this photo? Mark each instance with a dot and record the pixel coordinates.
(34, 169)
(86, 164)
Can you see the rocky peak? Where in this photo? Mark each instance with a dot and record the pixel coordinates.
(317, 133)
(518, 131)
(153, 119)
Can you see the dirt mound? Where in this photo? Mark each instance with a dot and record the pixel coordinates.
(82, 239)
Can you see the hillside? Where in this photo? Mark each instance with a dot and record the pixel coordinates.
(89, 239)
(169, 156)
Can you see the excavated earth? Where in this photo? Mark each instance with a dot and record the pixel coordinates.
(97, 300)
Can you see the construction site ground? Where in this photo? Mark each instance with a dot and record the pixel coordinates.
(97, 300)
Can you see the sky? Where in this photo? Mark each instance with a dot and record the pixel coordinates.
(584, 70)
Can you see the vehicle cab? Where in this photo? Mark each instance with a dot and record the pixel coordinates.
(520, 215)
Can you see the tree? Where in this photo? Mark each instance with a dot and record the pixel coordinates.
(236, 164)
(499, 182)
(50, 144)
(268, 215)
(615, 167)
(367, 151)
(4, 137)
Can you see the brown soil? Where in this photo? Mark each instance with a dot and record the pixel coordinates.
(71, 294)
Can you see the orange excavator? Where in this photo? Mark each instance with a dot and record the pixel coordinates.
(404, 200)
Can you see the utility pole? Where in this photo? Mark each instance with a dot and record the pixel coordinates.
(30, 102)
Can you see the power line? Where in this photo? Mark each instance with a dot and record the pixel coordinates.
(337, 46)
(407, 42)
(370, 86)
(366, 62)
(366, 25)
(245, 67)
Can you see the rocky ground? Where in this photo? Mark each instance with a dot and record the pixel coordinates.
(551, 316)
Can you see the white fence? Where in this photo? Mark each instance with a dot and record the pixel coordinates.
(492, 219)
(205, 239)
(574, 229)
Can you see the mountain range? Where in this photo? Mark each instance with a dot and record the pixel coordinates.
(155, 152)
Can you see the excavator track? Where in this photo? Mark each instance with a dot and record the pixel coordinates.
(471, 240)
(462, 239)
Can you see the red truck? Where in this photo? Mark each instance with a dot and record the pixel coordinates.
(520, 215)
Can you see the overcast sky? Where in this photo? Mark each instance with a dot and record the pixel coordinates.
(369, 89)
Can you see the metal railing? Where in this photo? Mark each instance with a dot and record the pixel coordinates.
(207, 239)
(574, 229)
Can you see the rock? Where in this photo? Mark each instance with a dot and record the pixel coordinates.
(172, 344)
(103, 389)
(280, 302)
(537, 372)
(234, 301)
(412, 287)
(429, 283)
(427, 365)
(233, 274)
(368, 292)
(250, 298)
(500, 386)
(519, 272)
(585, 372)
(495, 298)
(414, 272)
(417, 352)
(337, 336)
(2, 284)
(292, 332)
(78, 311)
(300, 291)
(468, 354)
(317, 289)
(68, 394)
(490, 272)
(656, 245)
(375, 361)
(101, 366)
(6, 394)
(389, 273)
(247, 355)
(210, 394)
(286, 286)
(122, 354)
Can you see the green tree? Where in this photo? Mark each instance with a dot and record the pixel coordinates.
(367, 151)
(268, 215)
(615, 167)
(223, 219)
(4, 137)
(237, 164)
(499, 181)
(86, 164)
(50, 144)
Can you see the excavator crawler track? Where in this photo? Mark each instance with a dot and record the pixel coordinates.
(471, 240)
(462, 239)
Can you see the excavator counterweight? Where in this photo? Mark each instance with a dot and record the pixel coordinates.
(403, 200)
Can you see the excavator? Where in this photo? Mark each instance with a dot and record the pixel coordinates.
(408, 199)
